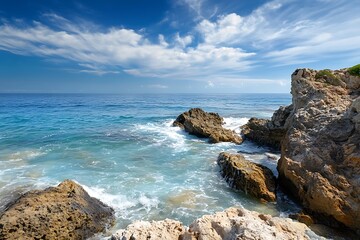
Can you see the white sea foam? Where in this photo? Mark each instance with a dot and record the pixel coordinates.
(121, 202)
(25, 155)
(165, 133)
(234, 124)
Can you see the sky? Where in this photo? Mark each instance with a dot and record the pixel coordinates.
(172, 46)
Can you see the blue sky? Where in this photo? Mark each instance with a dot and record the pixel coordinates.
(178, 46)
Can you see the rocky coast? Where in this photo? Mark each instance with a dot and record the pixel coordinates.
(319, 139)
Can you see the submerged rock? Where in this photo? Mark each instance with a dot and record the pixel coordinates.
(252, 178)
(233, 223)
(63, 212)
(268, 132)
(206, 125)
(320, 160)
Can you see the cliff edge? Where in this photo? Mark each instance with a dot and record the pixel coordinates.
(320, 152)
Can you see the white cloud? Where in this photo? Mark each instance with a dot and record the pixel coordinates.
(123, 49)
(157, 86)
(280, 32)
(289, 32)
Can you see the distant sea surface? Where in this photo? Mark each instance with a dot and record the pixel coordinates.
(123, 150)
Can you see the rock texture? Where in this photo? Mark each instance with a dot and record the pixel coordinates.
(236, 223)
(320, 160)
(252, 178)
(167, 229)
(231, 224)
(62, 212)
(206, 125)
(268, 132)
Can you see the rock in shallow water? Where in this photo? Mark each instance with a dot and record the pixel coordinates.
(268, 132)
(206, 125)
(252, 178)
(233, 223)
(63, 212)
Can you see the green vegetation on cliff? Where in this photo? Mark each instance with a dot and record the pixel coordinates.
(329, 77)
(355, 70)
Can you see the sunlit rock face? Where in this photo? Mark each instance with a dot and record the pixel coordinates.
(254, 179)
(206, 125)
(63, 212)
(320, 160)
(233, 223)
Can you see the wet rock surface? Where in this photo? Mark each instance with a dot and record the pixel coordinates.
(254, 179)
(320, 160)
(62, 212)
(206, 125)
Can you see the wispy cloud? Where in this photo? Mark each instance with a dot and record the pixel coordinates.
(289, 32)
(126, 49)
(280, 32)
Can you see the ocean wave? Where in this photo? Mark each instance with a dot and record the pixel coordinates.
(164, 133)
(122, 203)
(234, 123)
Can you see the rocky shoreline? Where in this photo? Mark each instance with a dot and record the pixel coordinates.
(319, 138)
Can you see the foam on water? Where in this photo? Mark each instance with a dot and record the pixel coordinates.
(234, 124)
(140, 165)
(164, 133)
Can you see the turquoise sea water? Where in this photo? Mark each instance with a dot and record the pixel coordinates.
(123, 150)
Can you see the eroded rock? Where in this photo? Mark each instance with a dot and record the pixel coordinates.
(206, 125)
(233, 223)
(252, 178)
(62, 212)
(320, 160)
(154, 230)
(268, 132)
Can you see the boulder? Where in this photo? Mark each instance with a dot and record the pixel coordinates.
(154, 230)
(206, 125)
(320, 157)
(233, 223)
(268, 132)
(254, 179)
(62, 212)
(236, 223)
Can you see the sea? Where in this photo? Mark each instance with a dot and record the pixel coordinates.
(123, 150)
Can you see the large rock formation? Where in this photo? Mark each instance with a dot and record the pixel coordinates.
(206, 125)
(62, 212)
(252, 178)
(268, 132)
(233, 223)
(320, 160)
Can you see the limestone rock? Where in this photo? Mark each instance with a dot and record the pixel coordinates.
(62, 212)
(320, 160)
(155, 230)
(252, 178)
(235, 223)
(206, 125)
(268, 132)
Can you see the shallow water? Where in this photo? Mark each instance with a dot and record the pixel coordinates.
(123, 150)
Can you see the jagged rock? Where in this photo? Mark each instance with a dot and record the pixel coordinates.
(268, 132)
(62, 212)
(252, 178)
(320, 160)
(154, 230)
(233, 223)
(206, 125)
